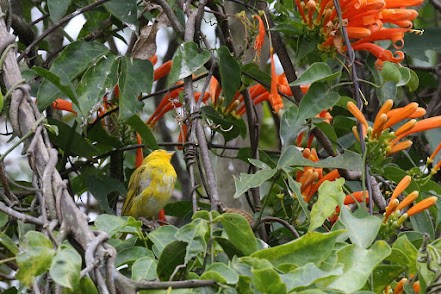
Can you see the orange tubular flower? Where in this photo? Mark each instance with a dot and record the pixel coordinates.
(393, 204)
(139, 155)
(258, 43)
(399, 147)
(402, 185)
(274, 97)
(399, 288)
(422, 125)
(331, 176)
(61, 104)
(162, 70)
(434, 153)
(153, 59)
(365, 24)
(214, 90)
(408, 200)
(357, 113)
(399, 114)
(358, 196)
(422, 205)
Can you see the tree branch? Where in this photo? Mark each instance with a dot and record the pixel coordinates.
(59, 24)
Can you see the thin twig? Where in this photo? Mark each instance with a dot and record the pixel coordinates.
(20, 216)
(172, 17)
(271, 219)
(58, 24)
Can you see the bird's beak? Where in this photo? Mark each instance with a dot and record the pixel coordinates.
(171, 153)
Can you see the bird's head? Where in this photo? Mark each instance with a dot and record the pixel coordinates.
(160, 154)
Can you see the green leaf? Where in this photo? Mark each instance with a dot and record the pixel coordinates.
(239, 232)
(72, 62)
(384, 274)
(247, 181)
(87, 286)
(422, 223)
(62, 82)
(318, 71)
(4, 219)
(194, 235)
(228, 125)
(101, 186)
(70, 141)
(229, 247)
(413, 82)
(297, 194)
(390, 73)
(350, 160)
(8, 243)
(161, 237)
(98, 79)
(187, 60)
(228, 274)
(131, 254)
(330, 195)
(57, 8)
(110, 223)
(417, 44)
(306, 275)
(35, 258)
(125, 11)
(405, 76)
(404, 253)
(136, 77)
(358, 264)
(171, 257)
(268, 281)
(144, 269)
(312, 247)
(361, 231)
(65, 268)
(318, 98)
(229, 70)
(252, 70)
(147, 136)
(213, 275)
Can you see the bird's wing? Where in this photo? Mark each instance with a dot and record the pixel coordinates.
(135, 188)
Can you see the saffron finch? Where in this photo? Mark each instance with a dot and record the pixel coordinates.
(150, 185)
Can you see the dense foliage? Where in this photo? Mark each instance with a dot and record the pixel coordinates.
(307, 138)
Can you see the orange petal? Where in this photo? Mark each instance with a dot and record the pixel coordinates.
(357, 113)
(358, 196)
(357, 32)
(61, 104)
(162, 70)
(406, 127)
(422, 205)
(139, 155)
(422, 125)
(393, 204)
(402, 185)
(398, 114)
(408, 200)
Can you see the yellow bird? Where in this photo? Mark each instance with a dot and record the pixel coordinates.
(150, 185)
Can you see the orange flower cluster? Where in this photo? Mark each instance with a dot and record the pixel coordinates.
(366, 21)
(311, 178)
(396, 207)
(379, 137)
(358, 196)
(399, 287)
